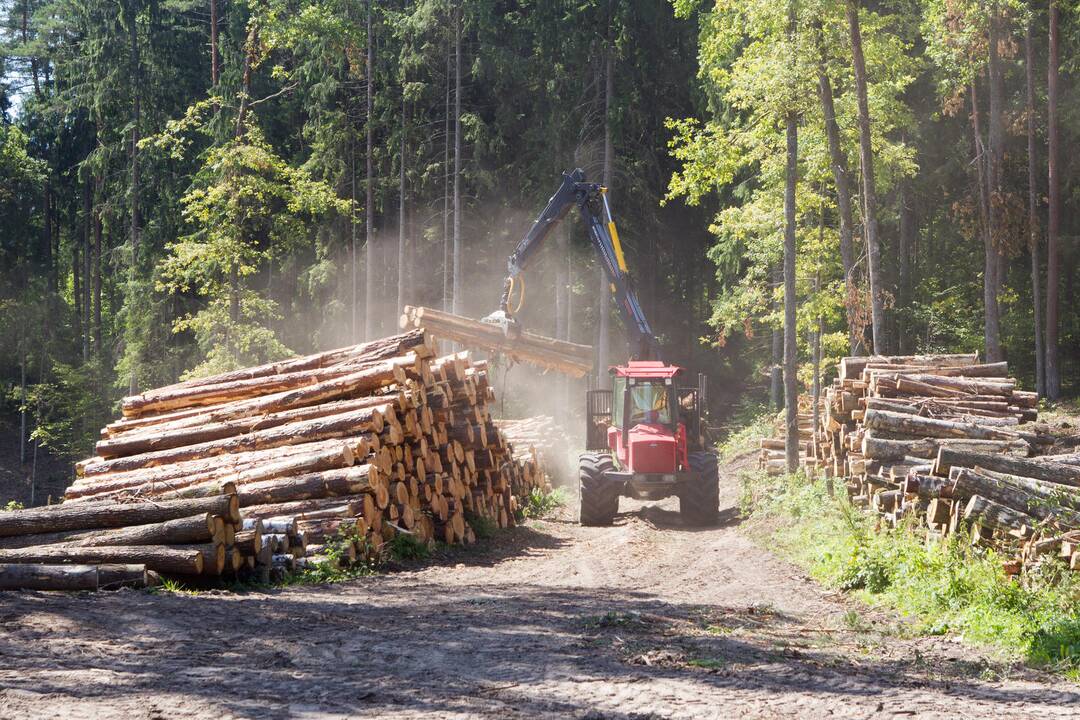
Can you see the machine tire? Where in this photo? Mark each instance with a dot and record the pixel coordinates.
(699, 497)
(599, 496)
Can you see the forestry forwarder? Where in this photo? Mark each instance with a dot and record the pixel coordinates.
(644, 438)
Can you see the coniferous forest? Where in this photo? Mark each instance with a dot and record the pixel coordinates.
(192, 186)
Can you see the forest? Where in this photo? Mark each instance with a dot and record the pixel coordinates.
(193, 186)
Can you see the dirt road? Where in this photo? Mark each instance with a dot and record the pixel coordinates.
(644, 620)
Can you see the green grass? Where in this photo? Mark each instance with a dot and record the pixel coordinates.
(760, 424)
(541, 504)
(945, 587)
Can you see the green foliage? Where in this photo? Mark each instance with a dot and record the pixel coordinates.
(247, 208)
(11, 505)
(406, 547)
(483, 527)
(334, 566)
(753, 422)
(947, 586)
(542, 503)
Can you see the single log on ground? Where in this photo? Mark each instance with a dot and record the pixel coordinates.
(88, 516)
(1051, 472)
(181, 531)
(160, 558)
(114, 577)
(33, 576)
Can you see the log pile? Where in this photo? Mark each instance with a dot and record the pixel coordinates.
(543, 442)
(953, 444)
(267, 469)
(544, 352)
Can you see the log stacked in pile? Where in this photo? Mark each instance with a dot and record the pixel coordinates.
(772, 456)
(952, 442)
(340, 450)
(541, 441)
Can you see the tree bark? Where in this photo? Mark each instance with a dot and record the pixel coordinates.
(99, 346)
(402, 261)
(791, 386)
(929, 427)
(1059, 473)
(874, 448)
(330, 483)
(1053, 226)
(213, 43)
(991, 315)
(866, 162)
(838, 161)
(48, 577)
(993, 277)
(1033, 211)
(159, 558)
(89, 516)
(369, 188)
(903, 284)
(448, 241)
(1021, 497)
(358, 423)
(994, 515)
(192, 529)
(458, 287)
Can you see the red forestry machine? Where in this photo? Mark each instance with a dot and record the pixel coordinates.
(645, 436)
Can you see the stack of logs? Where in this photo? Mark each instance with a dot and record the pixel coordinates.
(543, 443)
(319, 458)
(949, 440)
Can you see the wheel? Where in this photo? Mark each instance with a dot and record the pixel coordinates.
(699, 497)
(599, 496)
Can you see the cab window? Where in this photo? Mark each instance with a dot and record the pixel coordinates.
(649, 404)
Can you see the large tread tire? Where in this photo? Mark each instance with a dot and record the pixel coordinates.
(599, 496)
(699, 497)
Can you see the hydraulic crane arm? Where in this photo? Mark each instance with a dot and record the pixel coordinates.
(591, 199)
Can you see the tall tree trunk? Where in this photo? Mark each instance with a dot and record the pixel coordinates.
(355, 252)
(458, 307)
(99, 191)
(136, 222)
(402, 261)
(1053, 225)
(838, 160)
(369, 188)
(990, 267)
(47, 242)
(791, 387)
(603, 294)
(776, 380)
(213, 43)
(76, 288)
(866, 162)
(22, 404)
(993, 277)
(87, 257)
(448, 244)
(903, 289)
(1033, 210)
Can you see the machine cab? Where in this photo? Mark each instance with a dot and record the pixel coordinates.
(646, 433)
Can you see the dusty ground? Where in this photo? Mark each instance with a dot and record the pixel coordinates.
(644, 620)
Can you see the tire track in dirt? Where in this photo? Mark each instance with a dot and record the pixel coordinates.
(646, 619)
